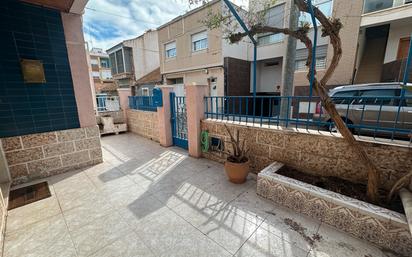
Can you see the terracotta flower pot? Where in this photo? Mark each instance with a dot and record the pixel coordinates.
(237, 172)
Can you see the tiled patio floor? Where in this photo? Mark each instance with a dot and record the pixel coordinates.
(145, 200)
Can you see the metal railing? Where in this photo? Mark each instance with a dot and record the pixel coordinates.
(143, 103)
(388, 117)
(107, 103)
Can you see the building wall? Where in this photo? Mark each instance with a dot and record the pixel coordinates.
(42, 155)
(143, 123)
(145, 53)
(181, 31)
(349, 13)
(237, 77)
(314, 153)
(33, 32)
(396, 32)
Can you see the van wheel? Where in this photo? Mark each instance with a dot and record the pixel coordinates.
(333, 129)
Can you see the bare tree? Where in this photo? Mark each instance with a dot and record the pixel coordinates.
(330, 28)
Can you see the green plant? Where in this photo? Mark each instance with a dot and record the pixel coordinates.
(238, 154)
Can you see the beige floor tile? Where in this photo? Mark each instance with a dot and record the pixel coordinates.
(338, 244)
(142, 210)
(170, 235)
(276, 224)
(31, 213)
(229, 230)
(130, 245)
(92, 237)
(86, 213)
(265, 244)
(47, 238)
(123, 196)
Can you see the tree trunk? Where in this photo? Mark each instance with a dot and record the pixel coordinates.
(373, 174)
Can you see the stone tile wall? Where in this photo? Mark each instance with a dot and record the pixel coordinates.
(314, 153)
(143, 123)
(42, 155)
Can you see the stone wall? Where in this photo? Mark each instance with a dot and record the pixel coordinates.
(143, 123)
(42, 155)
(314, 153)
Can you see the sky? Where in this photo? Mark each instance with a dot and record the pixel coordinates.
(109, 22)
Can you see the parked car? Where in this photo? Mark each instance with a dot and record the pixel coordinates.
(371, 108)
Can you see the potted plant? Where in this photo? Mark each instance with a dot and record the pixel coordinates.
(237, 164)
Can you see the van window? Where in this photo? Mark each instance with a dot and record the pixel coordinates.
(344, 97)
(408, 100)
(378, 97)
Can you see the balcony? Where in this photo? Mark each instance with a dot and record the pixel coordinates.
(378, 5)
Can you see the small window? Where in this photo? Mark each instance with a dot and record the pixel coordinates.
(320, 64)
(270, 39)
(96, 74)
(170, 50)
(344, 97)
(104, 62)
(94, 61)
(378, 97)
(199, 41)
(145, 91)
(325, 6)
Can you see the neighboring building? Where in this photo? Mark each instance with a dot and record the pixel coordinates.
(190, 53)
(384, 37)
(100, 72)
(135, 59)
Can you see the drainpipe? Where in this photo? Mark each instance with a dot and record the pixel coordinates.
(313, 64)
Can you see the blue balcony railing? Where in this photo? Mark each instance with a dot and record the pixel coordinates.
(389, 117)
(143, 103)
(106, 103)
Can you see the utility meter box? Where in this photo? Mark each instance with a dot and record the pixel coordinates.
(157, 97)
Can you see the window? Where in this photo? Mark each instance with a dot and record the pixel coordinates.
(106, 74)
(376, 5)
(199, 41)
(170, 50)
(104, 62)
(325, 6)
(128, 59)
(302, 55)
(119, 61)
(94, 61)
(145, 91)
(320, 64)
(344, 97)
(275, 18)
(270, 39)
(95, 74)
(374, 97)
(408, 95)
(113, 62)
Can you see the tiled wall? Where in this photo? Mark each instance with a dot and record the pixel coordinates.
(143, 123)
(314, 153)
(42, 155)
(33, 32)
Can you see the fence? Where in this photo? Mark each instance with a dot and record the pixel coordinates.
(143, 103)
(107, 103)
(378, 116)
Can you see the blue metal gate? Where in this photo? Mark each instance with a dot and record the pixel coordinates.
(179, 120)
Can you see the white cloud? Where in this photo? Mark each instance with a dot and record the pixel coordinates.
(108, 22)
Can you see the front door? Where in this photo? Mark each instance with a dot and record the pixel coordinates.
(179, 120)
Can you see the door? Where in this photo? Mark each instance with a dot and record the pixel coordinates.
(377, 108)
(403, 48)
(407, 111)
(179, 120)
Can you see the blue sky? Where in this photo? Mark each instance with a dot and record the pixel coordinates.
(108, 22)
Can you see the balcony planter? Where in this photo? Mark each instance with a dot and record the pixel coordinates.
(385, 228)
(237, 172)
